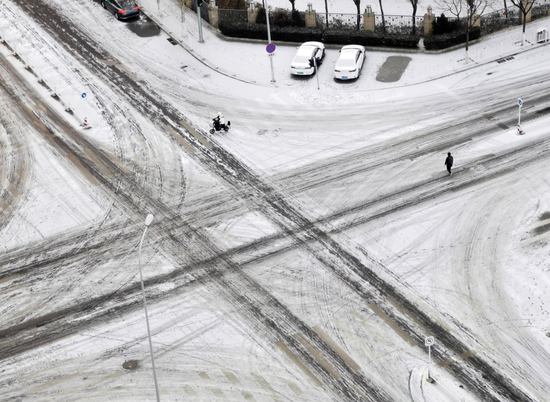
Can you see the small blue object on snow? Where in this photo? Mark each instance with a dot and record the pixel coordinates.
(83, 94)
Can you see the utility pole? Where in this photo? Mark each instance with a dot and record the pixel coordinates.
(199, 4)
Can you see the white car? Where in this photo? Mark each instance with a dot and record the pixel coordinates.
(300, 64)
(350, 62)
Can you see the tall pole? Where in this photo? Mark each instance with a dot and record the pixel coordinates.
(269, 39)
(429, 360)
(148, 221)
(198, 3)
(182, 21)
(429, 341)
(520, 104)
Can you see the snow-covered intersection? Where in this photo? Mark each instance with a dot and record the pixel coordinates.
(303, 256)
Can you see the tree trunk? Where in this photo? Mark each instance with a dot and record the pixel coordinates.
(326, 12)
(358, 5)
(505, 9)
(292, 2)
(524, 12)
(383, 19)
(414, 20)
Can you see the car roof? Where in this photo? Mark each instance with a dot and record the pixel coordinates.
(348, 53)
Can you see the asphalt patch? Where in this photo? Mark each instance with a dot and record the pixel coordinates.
(144, 27)
(393, 68)
(130, 364)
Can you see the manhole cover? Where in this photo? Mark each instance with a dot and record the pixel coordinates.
(130, 364)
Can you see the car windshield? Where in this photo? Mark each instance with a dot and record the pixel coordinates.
(126, 4)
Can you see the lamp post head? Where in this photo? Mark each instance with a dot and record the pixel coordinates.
(149, 219)
(309, 7)
(429, 9)
(368, 9)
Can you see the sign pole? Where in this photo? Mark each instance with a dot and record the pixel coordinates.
(85, 123)
(520, 104)
(269, 39)
(429, 341)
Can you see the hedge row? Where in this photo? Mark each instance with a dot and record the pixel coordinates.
(338, 36)
(437, 42)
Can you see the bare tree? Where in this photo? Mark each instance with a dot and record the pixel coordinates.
(414, 4)
(358, 5)
(474, 10)
(383, 19)
(454, 7)
(525, 7)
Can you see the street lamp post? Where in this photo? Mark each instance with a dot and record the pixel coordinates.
(148, 221)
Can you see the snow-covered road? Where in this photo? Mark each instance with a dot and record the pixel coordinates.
(304, 255)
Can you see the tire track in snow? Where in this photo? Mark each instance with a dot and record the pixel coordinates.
(264, 313)
(280, 211)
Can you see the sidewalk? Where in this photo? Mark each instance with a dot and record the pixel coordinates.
(247, 60)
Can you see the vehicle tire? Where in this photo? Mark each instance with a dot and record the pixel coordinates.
(211, 131)
(116, 16)
(226, 129)
(103, 4)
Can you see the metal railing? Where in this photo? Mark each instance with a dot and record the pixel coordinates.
(490, 22)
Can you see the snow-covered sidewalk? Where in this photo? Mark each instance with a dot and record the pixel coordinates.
(229, 56)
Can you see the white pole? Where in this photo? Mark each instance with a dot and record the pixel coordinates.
(201, 40)
(269, 39)
(429, 360)
(148, 221)
(519, 120)
(182, 21)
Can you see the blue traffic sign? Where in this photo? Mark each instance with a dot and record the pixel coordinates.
(520, 102)
(270, 48)
(83, 94)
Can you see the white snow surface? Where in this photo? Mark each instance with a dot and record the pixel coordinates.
(476, 259)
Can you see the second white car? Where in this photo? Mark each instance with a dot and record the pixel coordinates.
(350, 62)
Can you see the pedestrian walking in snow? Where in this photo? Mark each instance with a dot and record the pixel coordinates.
(449, 163)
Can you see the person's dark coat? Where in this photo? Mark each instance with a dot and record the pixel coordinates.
(449, 161)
